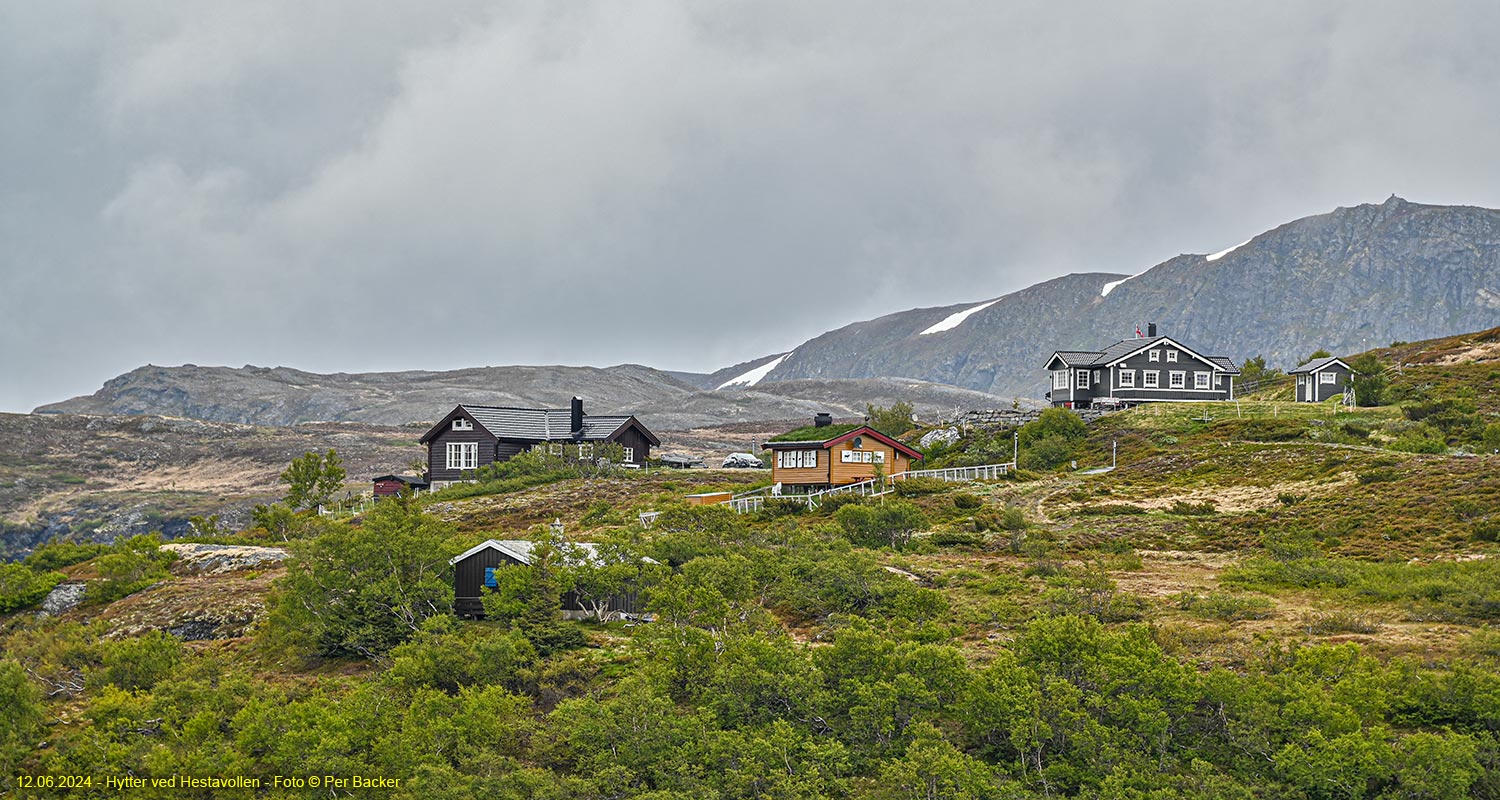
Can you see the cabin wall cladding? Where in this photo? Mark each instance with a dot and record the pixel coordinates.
(437, 453)
(469, 582)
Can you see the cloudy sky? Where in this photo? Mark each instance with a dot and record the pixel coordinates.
(368, 186)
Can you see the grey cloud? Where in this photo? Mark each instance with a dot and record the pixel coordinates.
(354, 186)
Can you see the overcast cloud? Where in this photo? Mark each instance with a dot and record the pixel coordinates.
(368, 186)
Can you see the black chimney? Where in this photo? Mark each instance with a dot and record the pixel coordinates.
(822, 419)
(1151, 329)
(577, 416)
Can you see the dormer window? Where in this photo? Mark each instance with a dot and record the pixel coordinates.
(462, 424)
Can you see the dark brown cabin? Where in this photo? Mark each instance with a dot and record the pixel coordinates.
(470, 437)
(473, 571)
(391, 485)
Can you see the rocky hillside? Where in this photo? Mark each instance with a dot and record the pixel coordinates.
(1346, 281)
(281, 396)
(98, 478)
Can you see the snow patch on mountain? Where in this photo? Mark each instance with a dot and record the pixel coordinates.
(954, 320)
(754, 376)
(1222, 253)
(1110, 287)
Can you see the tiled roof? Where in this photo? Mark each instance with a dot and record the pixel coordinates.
(520, 550)
(542, 424)
(1226, 363)
(1315, 365)
(1079, 358)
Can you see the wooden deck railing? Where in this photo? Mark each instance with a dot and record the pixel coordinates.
(755, 500)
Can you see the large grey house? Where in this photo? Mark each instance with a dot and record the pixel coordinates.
(1321, 379)
(471, 436)
(1145, 369)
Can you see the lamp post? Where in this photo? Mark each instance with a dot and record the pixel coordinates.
(1015, 450)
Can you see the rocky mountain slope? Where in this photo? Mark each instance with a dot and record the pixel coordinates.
(98, 478)
(281, 396)
(1346, 281)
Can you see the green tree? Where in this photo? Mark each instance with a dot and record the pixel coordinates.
(1369, 380)
(21, 586)
(312, 479)
(21, 722)
(892, 421)
(363, 590)
(890, 524)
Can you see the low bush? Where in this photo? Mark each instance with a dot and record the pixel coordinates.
(1182, 507)
(1380, 475)
(1226, 607)
(1329, 623)
(956, 539)
(21, 586)
(966, 502)
(1110, 510)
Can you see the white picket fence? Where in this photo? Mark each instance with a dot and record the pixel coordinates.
(755, 499)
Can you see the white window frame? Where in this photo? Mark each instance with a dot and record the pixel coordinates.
(1201, 380)
(463, 455)
(1328, 377)
(585, 450)
(462, 424)
(1059, 379)
(1154, 355)
(1150, 379)
(1176, 379)
(1127, 379)
(1083, 379)
(1218, 380)
(1096, 376)
(630, 454)
(879, 456)
(797, 459)
(554, 448)
(1171, 356)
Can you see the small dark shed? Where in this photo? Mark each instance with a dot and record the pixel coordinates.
(391, 485)
(474, 569)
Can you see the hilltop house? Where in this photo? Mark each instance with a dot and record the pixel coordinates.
(1321, 379)
(822, 455)
(1145, 369)
(474, 570)
(470, 437)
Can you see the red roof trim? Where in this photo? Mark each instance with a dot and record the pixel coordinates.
(866, 430)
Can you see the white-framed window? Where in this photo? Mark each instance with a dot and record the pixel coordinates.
(879, 456)
(1150, 378)
(796, 459)
(1176, 379)
(1328, 377)
(585, 451)
(1200, 380)
(462, 424)
(1059, 379)
(1083, 379)
(1096, 376)
(630, 454)
(554, 448)
(1218, 380)
(1127, 379)
(463, 455)
(1172, 356)
(1154, 355)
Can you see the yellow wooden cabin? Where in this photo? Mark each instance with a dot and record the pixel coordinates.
(824, 455)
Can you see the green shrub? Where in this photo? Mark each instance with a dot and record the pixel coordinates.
(56, 555)
(1381, 475)
(1329, 623)
(1485, 530)
(21, 586)
(1289, 499)
(964, 501)
(776, 507)
(138, 662)
(889, 524)
(1185, 508)
(1226, 607)
(1110, 510)
(956, 539)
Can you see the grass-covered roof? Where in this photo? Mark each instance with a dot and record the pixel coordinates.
(813, 433)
